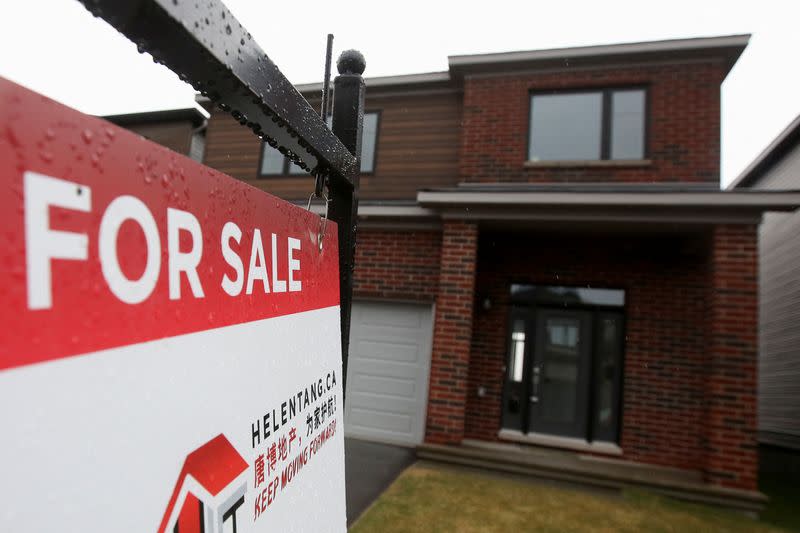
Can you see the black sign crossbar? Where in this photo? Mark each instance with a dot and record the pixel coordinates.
(204, 44)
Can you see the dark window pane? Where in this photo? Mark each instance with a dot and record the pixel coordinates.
(369, 137)
(562, 296)
(627, 125)
(271, 161)
(566, 127)
(608, 358)
(559, 388)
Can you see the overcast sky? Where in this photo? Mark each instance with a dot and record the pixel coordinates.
(57, 48)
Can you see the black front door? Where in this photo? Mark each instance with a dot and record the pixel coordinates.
(559, 376)
(564, 372)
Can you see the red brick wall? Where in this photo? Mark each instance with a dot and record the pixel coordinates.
(452, 332)
(396, 264)
(665, 279)
(682, 141)
(732, 379)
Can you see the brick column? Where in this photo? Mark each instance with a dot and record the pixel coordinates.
(732, 454)
(452, 334)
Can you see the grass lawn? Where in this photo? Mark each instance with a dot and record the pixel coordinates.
(438, 499)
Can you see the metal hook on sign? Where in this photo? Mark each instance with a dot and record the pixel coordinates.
(319, 183)
(323, 220)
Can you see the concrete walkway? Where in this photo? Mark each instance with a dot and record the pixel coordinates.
(370, 468)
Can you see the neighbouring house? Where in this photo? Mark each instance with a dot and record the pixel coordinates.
(180, 130)
(778, 168)
(549, 279)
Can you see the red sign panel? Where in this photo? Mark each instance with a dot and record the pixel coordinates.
(110, 240)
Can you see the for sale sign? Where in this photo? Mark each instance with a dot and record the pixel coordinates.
(169, 356)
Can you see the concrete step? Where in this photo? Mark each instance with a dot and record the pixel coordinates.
(605, 475)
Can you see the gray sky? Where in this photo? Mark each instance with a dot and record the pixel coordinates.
(57, 48)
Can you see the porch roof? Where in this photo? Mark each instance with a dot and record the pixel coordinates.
(642, 203)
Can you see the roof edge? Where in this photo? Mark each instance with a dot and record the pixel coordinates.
(402, 80)
(192, 114)
(789, 136)
(739, 41)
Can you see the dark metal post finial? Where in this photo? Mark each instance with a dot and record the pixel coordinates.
(351, 62)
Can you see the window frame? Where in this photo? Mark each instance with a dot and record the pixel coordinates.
(606, 93)
(287, 164)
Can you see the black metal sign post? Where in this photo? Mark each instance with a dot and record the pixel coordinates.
(207, 47)
(348, 118)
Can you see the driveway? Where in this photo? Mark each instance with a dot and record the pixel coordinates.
(370, 468)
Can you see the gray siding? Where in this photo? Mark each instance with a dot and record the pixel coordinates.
(785, 174)
(779, 310)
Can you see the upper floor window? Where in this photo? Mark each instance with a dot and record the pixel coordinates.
(587, 125)
(273, 163)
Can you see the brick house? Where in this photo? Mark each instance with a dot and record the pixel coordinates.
(545, 262)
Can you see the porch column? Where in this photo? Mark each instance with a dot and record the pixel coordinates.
(452, 334)
(732, 454)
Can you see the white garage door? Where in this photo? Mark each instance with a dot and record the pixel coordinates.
(387, 375)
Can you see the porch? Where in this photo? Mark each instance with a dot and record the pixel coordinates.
(618, 322)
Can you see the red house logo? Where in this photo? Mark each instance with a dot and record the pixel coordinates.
(209, 491)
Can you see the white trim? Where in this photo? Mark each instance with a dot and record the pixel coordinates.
(764, 200)
(386, 211)
(402, 211)
(604, 163)
(592, 186)
(570, 443)
(392, 217)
